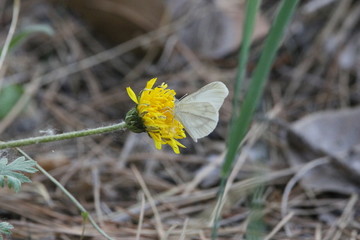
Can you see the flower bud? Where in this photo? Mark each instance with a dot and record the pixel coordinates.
(134, 122)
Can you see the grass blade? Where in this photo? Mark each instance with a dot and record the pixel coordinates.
(253, 95)
(248, 29)
(241, 122)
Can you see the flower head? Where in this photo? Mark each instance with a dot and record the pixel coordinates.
(155, 108)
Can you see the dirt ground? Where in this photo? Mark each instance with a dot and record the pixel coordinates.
(297, 176)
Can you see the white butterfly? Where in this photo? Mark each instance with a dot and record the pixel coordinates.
(199, 111)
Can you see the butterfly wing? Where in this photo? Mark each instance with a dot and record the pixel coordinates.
(213, 93)
(199, 111)
(198, 118)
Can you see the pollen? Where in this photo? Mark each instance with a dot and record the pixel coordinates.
(155, 107)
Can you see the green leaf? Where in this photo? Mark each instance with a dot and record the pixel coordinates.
(258, 81)
(27, 31)
(242, 115)
(9, 95)
(10, 172)
(252, 7)
(5, 228)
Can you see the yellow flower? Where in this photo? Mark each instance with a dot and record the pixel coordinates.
(155, 107)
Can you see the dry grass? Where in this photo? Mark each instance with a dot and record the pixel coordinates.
(76, 80)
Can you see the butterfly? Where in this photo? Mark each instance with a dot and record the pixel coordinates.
(199, 112)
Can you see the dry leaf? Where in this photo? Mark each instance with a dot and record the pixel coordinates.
(217, 30)
(119, 20)
(335, 134)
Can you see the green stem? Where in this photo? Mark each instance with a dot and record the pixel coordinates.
(242, 118)
(69, 195)
(258, 81)
(248, 29)
(62, 136)
(251, 10)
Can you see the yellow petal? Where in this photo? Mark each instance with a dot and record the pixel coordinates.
(157, 144)
(150, 83)
(155, 106)
(176, 150)
(132, 95)
(179, 144)
(175, 146)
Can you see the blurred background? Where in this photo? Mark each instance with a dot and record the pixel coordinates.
(69, 70)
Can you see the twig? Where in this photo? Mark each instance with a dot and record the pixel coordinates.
(279, 225)
(252, 136)
(159, 226)
(5, 49)
(170, 198)
(141, 217)
(69, 195)
(318, 232)
(122, 48)
(313, 52)
(306, 168)
(343, 220)
(183, 233)
(96, 192)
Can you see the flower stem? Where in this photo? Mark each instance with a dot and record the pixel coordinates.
(62, 136)
(69, 195)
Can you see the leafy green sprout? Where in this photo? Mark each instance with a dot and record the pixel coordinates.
(5, 229)
(11, 176)
(10, 173)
